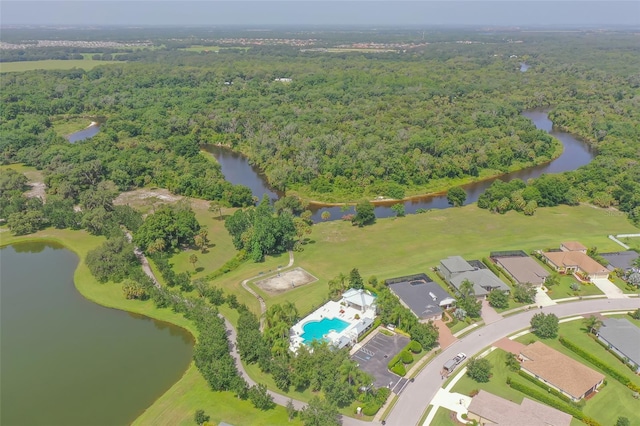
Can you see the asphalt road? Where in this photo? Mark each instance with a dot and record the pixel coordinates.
(417, 395)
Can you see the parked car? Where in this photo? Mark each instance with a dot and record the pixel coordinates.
(459, 358)
(391, 327)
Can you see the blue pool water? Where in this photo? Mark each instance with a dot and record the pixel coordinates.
(317, 329)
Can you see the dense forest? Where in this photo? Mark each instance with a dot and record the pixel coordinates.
(348, 125)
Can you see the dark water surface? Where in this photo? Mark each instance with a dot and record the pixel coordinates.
(83, 134)
(576, 153)
(68, 361)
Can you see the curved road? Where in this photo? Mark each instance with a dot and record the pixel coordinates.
(417, 396)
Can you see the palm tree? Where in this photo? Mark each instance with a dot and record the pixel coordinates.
(592, 323)
(290, 312)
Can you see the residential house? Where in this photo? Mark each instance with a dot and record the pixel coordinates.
(523, 269)
(573, 246)
(622, 260)
(456, 270)
(425, 298)
(576, 261)
(559, 371)
(489, 409)
(623, 338)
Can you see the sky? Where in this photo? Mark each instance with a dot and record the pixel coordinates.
(320, 12)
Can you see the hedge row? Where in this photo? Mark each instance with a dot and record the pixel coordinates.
(622, 360)
(549, 389)
(497, 270)
(599, 363)
(230, 265)
(551, 401)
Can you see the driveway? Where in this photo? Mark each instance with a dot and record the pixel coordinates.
(608, 288)
(489, 315)
(418, 395)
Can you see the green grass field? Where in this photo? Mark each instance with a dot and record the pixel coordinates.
(51, 64)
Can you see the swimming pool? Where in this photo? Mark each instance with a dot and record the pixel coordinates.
(317, 329)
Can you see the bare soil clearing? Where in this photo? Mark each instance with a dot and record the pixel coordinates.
(285, 281)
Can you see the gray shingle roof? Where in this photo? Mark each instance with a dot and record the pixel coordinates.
(483, 281)
(623, 335)
(622, 259)
(423, 299)
(456, 264)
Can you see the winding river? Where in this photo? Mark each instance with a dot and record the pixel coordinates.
(576, 153)
(68, 361)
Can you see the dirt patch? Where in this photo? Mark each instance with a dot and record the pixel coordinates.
(285, 281)
(37, 190)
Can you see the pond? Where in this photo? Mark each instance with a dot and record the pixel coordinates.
(86, 133)
(576, 153)
(68, 361)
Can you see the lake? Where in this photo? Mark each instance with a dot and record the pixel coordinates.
(576, 153)
(68, 361)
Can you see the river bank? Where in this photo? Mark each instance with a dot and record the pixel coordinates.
(571, 153)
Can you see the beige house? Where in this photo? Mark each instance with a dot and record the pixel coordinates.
(489, 409)
(573, 246)
(573, 259)
(559, 371)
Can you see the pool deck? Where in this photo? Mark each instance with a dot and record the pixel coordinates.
(332, 310)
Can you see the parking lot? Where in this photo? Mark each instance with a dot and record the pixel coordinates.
(374, 356)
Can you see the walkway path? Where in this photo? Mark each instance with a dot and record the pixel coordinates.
(414, 400)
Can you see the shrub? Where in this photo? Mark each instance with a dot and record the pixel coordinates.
(382, 394)
(399, 369)
(370, 409)
(393, 362)
(406, 357)
(415, 347)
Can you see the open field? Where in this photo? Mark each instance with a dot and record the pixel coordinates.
(51, 64)
(402, 246)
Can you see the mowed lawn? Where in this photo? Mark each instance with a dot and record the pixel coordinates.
(51, 64)
(398, 246)
(178, 405)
